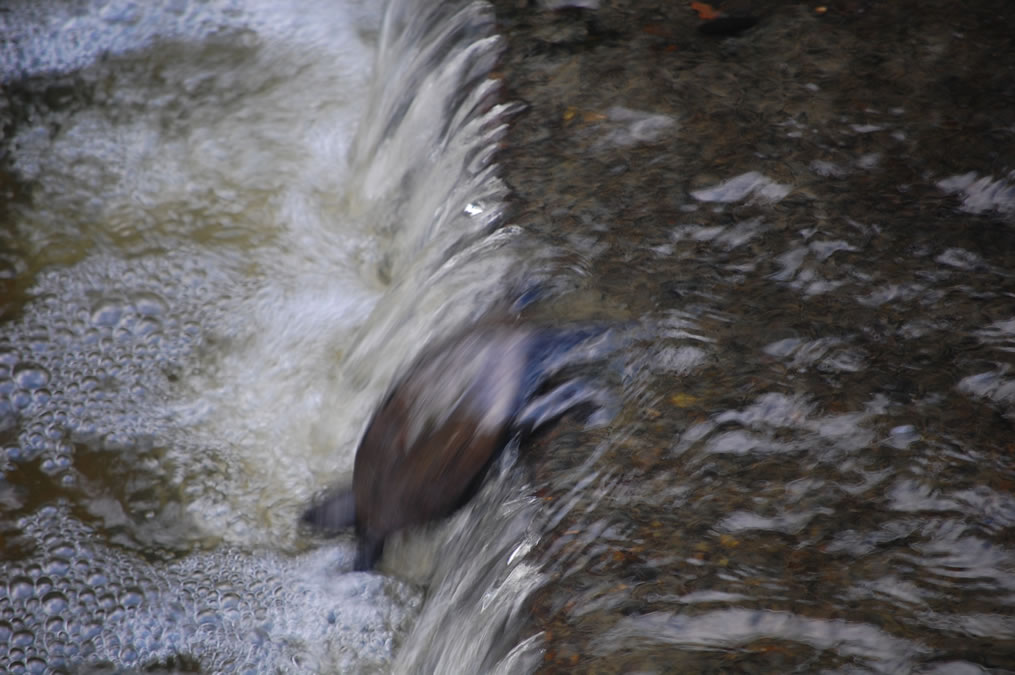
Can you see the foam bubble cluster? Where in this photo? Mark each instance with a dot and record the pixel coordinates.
(91, 349)
(66, 601)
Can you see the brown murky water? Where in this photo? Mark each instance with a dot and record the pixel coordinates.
(815, 470)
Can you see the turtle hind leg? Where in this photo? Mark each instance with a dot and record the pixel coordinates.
(557, 402)
(368, 553)
(337, 511)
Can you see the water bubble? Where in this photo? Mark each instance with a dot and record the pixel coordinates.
(86, 598)
(208, 616)
(13, 453)
(54, 602)
(149, 304)
(22, 639)
(107, 313)
(21, 588)
(146, 326)
(132, 597)
(21, 399)
(6, 630)
(62, 335)
(43, 585)
(58, 567)
(107, 602)
(91, 630)
(54, 432)
(39, 344)
(31, 376)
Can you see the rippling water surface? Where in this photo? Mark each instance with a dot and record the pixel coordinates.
(227, 226)
(813, 470)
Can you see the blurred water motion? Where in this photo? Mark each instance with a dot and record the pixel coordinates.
(224, 239)
(229, 225)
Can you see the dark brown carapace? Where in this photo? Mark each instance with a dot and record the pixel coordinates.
(429, 444)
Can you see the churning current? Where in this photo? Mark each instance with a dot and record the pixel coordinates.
(229, 225)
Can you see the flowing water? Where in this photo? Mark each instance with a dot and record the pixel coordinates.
(226, 226)
(813, 469)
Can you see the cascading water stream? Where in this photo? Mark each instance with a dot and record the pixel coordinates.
(231, 224)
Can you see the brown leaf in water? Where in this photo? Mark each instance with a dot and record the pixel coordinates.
(704, 10)
(682, 400)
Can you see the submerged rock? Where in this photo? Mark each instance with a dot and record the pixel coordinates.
(429, 444)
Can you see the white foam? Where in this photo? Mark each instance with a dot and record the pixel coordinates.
(984, 194)
(223, 281)
(743, 186)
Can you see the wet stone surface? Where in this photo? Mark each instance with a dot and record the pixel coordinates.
(814, 467)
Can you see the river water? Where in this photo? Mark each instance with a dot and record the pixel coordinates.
(226, 226)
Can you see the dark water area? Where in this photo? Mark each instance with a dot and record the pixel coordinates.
(814, 467)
